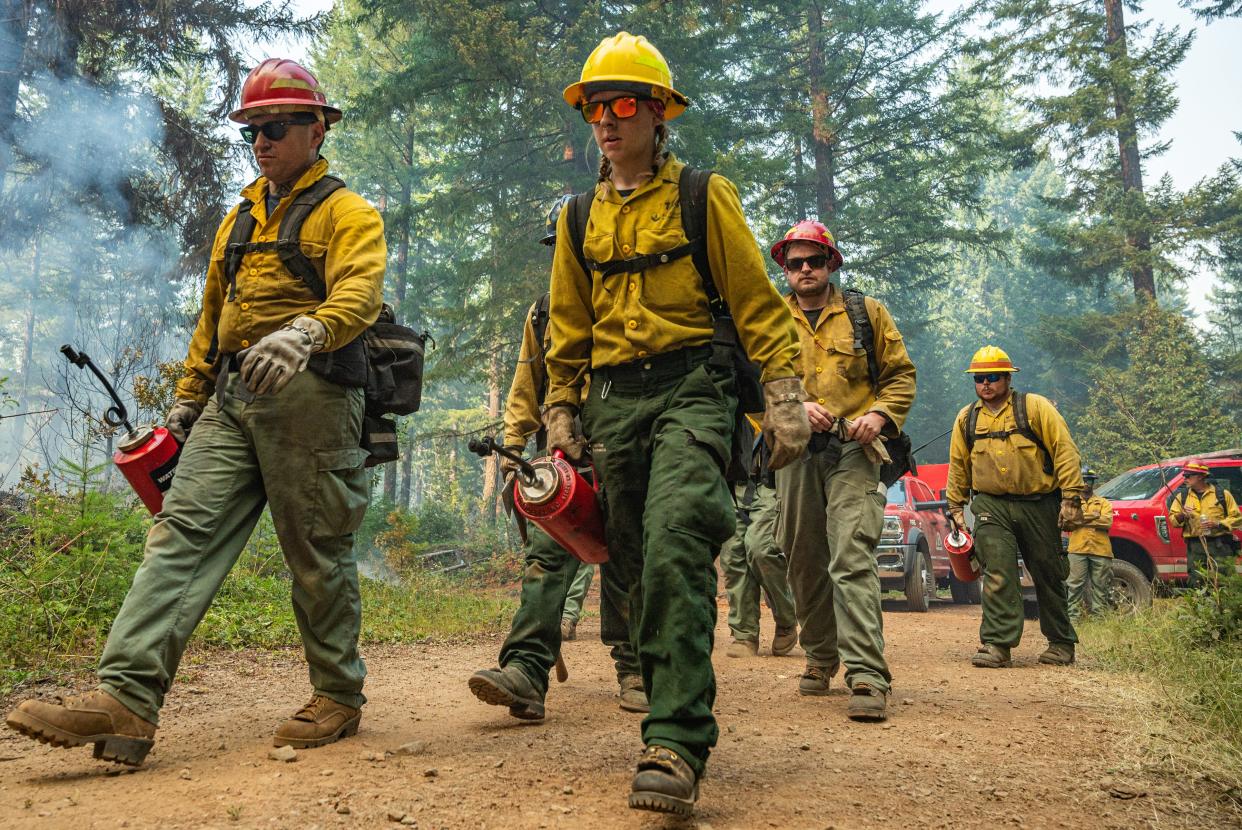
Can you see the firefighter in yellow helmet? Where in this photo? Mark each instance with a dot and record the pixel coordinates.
(644, 268)
(1090, 552)
(1011, 456)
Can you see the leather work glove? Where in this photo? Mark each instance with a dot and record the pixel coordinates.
(874, 449)
(558, 422)
(1071, 514)
(509, 467)
(958, 516)
(182, 417)
(785, 425)
(271, 363)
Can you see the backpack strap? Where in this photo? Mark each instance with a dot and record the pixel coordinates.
(1024, 428)
(579, 215)
(539, 322)
(864, 331)
(692, 197)
(288, 245)
(972, 420)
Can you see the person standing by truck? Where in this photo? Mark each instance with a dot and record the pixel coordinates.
(1207, 515)
(1090, 552)
(1011, 456)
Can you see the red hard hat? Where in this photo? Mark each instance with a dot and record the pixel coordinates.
(1194, 465)
(284, 83)
(808, 230)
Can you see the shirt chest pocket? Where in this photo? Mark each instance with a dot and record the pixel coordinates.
(672, 285)
(851, 364)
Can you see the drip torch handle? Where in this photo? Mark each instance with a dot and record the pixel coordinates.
(116, 414)
(488, 446)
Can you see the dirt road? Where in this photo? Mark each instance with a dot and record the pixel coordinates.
(1028, 747)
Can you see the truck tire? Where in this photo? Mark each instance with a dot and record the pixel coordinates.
(1131, 590)
(920, 582)
(965, 593)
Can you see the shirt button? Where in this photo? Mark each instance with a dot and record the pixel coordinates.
(632, 324)
(625, 248)
(633, 287)
(819, 370)
(625, 208)
(245, 343)
(262, 238)
(254, 271)
(642, 354)
(822, 401)
(245, 306)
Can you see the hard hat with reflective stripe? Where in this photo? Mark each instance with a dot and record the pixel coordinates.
(991, 359)
(280, 85)
(808, 230)
(1195, 466)
(1089, 474)
(629, 63)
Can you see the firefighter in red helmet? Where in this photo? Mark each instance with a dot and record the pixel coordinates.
(257, 430)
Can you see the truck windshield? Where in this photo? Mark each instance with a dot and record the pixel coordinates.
(1136, 485)
(897, 492)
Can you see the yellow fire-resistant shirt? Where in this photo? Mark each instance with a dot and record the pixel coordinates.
(344, 239)
(835, 373)
(606, 321)
(522, 406)
(1092, 537)
(1014, 465)
(1205, 506)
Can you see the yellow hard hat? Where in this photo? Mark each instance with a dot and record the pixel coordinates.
(991, 359)
(633, 63)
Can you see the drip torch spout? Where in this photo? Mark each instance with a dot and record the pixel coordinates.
(117, 414)
(488, 446)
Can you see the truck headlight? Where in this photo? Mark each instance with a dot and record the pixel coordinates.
(892, 530)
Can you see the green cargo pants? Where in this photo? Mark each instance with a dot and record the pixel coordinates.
(1088, 572)
(661, 430)
(1005, 528)
(1201, 549)
(752, 561)
(577, 593)
(296, 452)
(534, 639)
(832, 513)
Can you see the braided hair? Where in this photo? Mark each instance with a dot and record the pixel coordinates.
(657, 155)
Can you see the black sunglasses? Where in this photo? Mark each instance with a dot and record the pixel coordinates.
(992, 377)
(274, 130)
(816, 261)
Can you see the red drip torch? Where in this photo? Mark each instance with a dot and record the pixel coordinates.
(962, 557)
(147, 456)
(555, 496)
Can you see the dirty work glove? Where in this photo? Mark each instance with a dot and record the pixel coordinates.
(958, 516)
(271, 363)
(785, 425)
(509, 467)
(1071, 514)
(181, 418)
(558, 421)
(875, 451)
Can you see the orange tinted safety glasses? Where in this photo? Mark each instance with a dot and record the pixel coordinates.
(622, 107)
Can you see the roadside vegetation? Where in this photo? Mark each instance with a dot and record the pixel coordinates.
(67, 557)
(1188, 650)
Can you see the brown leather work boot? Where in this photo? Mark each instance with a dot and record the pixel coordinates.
(632, 696)
(1058, 654)
(321, 721)
(742, 648)
(784, 641)
(814, 681)
(991, 656)
(664, 783)
(867, 703)
(510, 687)
(95, 717)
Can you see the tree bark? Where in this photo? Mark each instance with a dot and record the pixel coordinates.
(13, 34)
(823, 136)
(1139, 239)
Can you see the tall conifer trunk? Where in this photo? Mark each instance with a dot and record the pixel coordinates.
(1127, 144)
(823, 136)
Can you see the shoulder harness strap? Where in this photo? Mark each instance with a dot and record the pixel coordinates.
(692, 197)
(864, 332)
(539, 322)
(579, 216)
(1024, 428)
(288, 243)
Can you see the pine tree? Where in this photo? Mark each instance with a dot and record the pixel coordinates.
(1160, 403)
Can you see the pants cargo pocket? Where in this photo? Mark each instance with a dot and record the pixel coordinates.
(340, 492)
